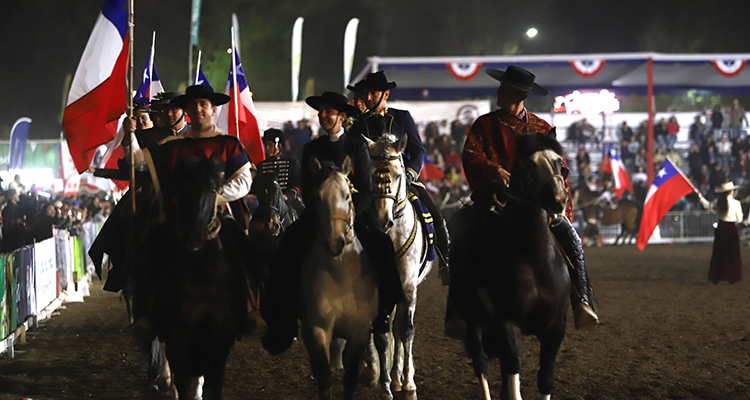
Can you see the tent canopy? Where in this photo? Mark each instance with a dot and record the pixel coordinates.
(451, 78)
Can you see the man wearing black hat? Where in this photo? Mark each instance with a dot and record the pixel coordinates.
(373, 92)
(488, 160)
(286, 169)
(170, 121)
(201, 140)
(282, 302)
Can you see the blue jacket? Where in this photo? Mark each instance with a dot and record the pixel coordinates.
(398, 123)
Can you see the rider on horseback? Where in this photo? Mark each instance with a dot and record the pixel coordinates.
(378, 120)
(281, 306)
(285, 169)
(488, 160)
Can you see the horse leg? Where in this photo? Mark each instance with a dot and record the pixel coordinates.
(317, 342)
(159, 373)
(399, 324)
(550, 345)
(188, 387)
(475, 348)
(215, 377)
(353, 352)
(369, 374)
(381, 344)
(407, 339)
(510, 362)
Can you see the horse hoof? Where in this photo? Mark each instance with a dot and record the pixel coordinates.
(409, 395)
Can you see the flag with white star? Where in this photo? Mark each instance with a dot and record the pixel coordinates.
(669, 185)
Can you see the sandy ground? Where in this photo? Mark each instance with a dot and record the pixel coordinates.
(666, 333)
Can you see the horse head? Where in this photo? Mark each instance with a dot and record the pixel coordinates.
(190, 199)
(334, 209)
(388, 178)
(539, 172)
(271, 205)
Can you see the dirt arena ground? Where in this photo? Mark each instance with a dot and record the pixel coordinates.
(666, 333)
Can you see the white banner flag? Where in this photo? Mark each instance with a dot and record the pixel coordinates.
(296, 55)
(350, 43)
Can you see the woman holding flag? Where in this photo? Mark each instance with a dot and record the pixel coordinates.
(726, 261)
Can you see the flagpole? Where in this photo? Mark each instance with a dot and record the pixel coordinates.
(197, 68)
(234, 89)
(126, 138)
(151, 68)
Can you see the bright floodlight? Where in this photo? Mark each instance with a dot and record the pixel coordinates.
(532, 32)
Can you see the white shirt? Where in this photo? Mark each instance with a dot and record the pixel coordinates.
(336, 136)
(734, 211)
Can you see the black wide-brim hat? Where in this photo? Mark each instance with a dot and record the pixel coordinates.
(200, 92)
(373, 82)
(518, 78)
(163, 100)
(339, 101)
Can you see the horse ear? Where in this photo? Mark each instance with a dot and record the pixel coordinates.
(401, 143)
(370, 142)
(346, 166)
(553, 133)
(315, 166)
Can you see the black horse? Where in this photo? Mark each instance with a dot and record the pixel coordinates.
(194, 258)
(510, 276)
(272, 216)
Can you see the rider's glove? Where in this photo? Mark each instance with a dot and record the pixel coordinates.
(409, 177)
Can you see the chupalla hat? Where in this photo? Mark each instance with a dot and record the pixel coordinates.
(373, 82)
(162, 100)
(725, 187)
(518, 78)
(200, 92)
(339, 101)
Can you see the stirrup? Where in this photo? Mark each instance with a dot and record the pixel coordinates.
(584, 316)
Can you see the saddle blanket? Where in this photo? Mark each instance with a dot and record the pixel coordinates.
(427, 223)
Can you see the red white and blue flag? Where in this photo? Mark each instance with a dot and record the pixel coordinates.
(201, 79)
(613, 165)
(237, 118)
(430, 171)
(98, 93)
(151, 85)
(669, 185)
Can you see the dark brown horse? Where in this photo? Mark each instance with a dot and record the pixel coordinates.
(193, 259)
(625, 213)
(510, 275)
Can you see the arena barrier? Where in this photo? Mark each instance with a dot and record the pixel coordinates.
(675, 227)
(37, 279)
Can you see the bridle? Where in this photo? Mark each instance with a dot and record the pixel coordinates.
(384, 192)
(528, 194)
(349, 217)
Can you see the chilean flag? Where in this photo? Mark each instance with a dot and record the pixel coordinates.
(429, 170)
(614, 166)
(98, 93)
(201, 79)
(669, 185)
(149, 87)
(242, 106)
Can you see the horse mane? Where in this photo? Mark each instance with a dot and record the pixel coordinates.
(528, 144)
(326, 169)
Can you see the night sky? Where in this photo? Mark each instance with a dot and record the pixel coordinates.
(43, 40)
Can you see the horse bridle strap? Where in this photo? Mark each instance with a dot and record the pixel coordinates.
(349, 217)
(399, 205)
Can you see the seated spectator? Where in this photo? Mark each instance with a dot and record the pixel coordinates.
(674, 157)
(659, 158)
(444, 129)
(582, 159)
(458, 134)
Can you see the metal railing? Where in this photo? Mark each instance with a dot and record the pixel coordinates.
(675, 227)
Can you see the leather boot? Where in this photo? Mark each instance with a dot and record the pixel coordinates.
(443, 242)
(584, 313)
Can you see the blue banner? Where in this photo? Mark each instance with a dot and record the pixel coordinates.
(18, 136)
